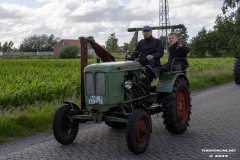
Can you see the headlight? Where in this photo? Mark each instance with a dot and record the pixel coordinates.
(128, 84)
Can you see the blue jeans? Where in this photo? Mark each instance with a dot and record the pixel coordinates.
(154, 63)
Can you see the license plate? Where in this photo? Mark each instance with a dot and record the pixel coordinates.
(95, 99)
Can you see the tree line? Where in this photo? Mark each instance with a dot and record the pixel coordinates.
(223, 39)
(35, 43)
(6, 47)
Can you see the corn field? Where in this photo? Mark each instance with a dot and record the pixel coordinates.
(25, 82)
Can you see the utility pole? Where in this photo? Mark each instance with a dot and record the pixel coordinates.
(163, 21)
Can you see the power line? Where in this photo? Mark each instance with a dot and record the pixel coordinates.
(163, 20)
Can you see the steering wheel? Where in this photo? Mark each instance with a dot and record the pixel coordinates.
(129, 54)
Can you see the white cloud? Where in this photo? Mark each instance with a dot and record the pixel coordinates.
(100, 18)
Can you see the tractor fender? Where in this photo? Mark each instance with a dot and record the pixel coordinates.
(166, 81)
(73, 105)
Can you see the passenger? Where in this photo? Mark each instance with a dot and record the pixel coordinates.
(177, 60)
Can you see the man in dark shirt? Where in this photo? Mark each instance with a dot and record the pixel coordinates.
(149, 50)
(177, 52)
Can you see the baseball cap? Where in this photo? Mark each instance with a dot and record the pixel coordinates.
(146, 28)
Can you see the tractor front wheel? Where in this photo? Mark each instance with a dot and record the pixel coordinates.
(176, 107)
(138, 131)
(236, 71)
(64, 129)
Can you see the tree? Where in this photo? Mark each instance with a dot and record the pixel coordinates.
(224, 28)
(133, 42)
(51, 42)
(38, 43)
(112, 43)
(224, 40)
(217, 42)
(213, 44)
(69, 52)
(125, 47)
(7, 47)
(229, 4)
(90, 38)
(198, 44)
(235, 39)
(183, 35)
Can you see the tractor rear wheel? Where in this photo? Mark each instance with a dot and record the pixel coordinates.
(116, 125)
(138, 131)
(64, 129)
(236, 71)
(176, 107)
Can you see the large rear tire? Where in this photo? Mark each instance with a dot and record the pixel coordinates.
(236, 71)
(138, 131)
(177, 107)
(64, 129)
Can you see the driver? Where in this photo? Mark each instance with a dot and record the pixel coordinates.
(151, 50)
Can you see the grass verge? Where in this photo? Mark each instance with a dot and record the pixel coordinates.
(28, 120)
(209, 78)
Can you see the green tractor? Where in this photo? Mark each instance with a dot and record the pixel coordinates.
(236, 70)
(115, 93)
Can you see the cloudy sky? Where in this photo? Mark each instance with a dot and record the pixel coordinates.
(98, 18)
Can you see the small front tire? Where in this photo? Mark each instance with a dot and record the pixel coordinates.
(64, 129)
(138, 131)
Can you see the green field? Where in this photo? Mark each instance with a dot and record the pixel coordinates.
(27, 81)
(31, 90)
(207, 72)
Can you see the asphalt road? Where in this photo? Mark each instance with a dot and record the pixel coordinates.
(214, 133)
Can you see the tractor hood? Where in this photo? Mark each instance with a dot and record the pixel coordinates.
(113, 66)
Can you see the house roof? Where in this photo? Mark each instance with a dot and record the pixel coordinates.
(70, 42)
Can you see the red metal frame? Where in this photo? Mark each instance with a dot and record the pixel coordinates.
(101, 52)
(84, 63)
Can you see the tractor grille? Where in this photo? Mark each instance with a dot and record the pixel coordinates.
(95, 84)
(90, 84)
(100, 84)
